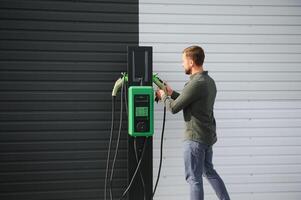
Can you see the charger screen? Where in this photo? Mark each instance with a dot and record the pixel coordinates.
(141, 111)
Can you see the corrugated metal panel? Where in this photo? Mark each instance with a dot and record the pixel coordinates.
(253, 52)
(58, 63)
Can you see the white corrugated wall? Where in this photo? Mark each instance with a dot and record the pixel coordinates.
(253, 52)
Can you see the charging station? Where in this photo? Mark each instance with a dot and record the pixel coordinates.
(140, 122)
(141, 99)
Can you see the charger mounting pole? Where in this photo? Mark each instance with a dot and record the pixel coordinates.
(140, 73)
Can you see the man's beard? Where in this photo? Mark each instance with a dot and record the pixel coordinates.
(188, 71)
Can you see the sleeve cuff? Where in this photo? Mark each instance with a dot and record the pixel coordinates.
(164, 97)
(174, 95)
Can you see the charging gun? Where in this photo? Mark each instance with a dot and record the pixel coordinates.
(161, 84)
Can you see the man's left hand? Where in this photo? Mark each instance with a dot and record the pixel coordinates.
(159, 94)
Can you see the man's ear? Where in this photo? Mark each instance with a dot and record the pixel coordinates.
(191, 62)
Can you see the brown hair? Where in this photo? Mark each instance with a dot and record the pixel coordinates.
(196, 53)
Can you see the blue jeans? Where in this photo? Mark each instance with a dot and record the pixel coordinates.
(198, 162)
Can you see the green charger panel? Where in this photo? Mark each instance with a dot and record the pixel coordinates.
(141, 111)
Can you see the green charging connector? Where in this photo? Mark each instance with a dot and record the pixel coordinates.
(141, 111)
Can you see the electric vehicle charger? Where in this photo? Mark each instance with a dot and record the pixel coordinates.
(161, 151)
(118, 138)
(135, 149)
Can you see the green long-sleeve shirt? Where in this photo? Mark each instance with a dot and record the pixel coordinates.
(197, 102)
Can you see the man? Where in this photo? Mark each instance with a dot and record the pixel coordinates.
(197, 102)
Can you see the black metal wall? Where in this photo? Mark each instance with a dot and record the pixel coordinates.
(58, 62)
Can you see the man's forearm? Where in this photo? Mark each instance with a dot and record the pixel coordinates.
(190, 93)
(168, 101)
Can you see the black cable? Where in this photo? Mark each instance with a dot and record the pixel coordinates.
(136, 170)
(161, 152)
(110, 143)
(118, 141)
(141, 176)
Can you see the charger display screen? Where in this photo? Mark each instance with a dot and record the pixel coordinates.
(141, 111)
